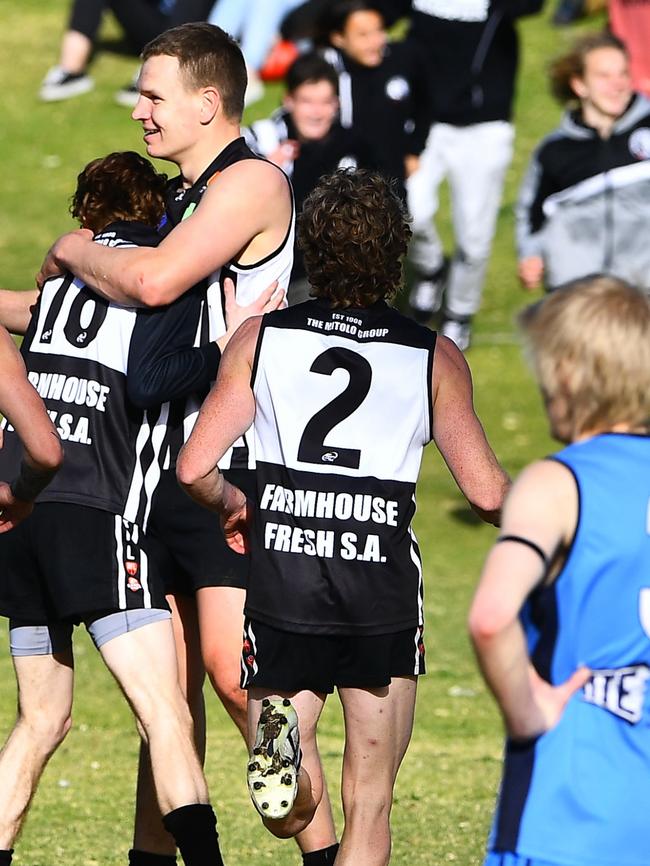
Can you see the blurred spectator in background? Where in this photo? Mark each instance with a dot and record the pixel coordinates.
(584, 204)
(141, 20)
(255, 24)
(305, 22)
(568, 11)
(472, 55)
(381, 85)
(306, 140)
(630, 21)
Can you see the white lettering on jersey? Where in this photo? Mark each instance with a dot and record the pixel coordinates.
(361, 507)
(69, 429)
(351, 548)
(70, 389)
(293, 539)
(454, 10)
(620, 691)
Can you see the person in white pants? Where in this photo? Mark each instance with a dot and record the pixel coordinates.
(471, 59)
(474, 159)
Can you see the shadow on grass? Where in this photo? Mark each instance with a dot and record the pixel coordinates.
(465, 516)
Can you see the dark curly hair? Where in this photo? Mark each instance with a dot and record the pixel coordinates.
(354, 232)
(120, 186)
(572, 65)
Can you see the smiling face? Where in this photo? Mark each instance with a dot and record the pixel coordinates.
(313, 106)
(169, 112)
(363, 38)
(604, 87)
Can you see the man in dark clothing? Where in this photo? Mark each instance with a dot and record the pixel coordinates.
(471, 62)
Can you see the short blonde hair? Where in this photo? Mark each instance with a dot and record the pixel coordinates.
(589, 341)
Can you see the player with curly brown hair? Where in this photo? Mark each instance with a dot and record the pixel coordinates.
(83, 554)
(344, 393)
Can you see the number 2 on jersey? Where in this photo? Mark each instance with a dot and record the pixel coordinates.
(312, 448)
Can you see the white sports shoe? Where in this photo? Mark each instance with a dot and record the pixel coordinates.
(129, 94)
(273, 766)
(425, 298)
(459, 332)
(59, 84)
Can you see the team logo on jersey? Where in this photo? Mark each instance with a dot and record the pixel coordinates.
(133, 584)
(397, 88)
(621, 691)
(330, 457)
(639, 143)
(131, 567)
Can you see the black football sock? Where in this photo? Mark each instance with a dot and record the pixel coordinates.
(194, 828)
(144, 858)
(323, 857)
(5, 857)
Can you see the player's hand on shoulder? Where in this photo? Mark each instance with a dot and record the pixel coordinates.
(12, 511)
(272, 298)
(52, 263)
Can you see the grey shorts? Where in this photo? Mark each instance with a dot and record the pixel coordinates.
(27, 639)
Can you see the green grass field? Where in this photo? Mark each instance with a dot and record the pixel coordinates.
(82, 814)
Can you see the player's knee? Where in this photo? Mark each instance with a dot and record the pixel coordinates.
(226, 684)
(367, 802)
(47, 729)
(165, 718)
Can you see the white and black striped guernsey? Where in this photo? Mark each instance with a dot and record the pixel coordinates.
(250, 281)
(343, 411)
(77, 353)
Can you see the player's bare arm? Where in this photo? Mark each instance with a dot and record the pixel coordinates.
(43, 454)
(541, 509)
(251, 198)
(226, 414)
(16, 309)
(460, 437)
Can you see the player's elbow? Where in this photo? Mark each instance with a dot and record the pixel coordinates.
(142, 392)
(49, 455)
(487, 507)
(152, 287)
(483, 625)
(187, 472)
(487, 501)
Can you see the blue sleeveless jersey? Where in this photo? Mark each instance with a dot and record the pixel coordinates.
(580, 794)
